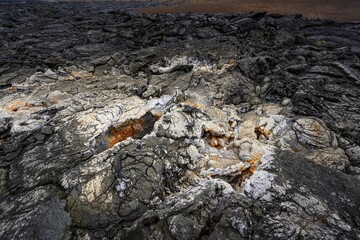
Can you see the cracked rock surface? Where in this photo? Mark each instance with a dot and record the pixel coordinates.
(116, 125)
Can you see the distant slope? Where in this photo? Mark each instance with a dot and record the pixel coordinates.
(345, 10)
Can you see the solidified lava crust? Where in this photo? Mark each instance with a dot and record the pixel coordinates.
(116, 125)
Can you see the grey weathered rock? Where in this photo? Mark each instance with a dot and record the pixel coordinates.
(312, 132)
(183, 228)
(331, 157)
(37, 215)
(354, 154)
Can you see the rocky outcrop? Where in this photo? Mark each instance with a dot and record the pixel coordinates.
(116, 125)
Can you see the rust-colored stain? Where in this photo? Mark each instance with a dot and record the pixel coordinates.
(217, 142)
(13, 89)
(17, 105)
(254, 162)
(247, 173)
(256, 158)
(195, 103)
(14, 107)
(136, 129)
(237, 177)
(214, 158)
(214, 141)
(157, 115)
(259, 131)
(316, 127)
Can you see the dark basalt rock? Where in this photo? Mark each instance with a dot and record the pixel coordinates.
(116, 125)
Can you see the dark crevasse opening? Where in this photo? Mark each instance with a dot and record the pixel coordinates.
(135, 128)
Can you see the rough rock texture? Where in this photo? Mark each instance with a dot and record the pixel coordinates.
(125, 126)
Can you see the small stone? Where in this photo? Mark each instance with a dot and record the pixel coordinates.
(244, 107)
(117, 56)
(47, 130)
(258, 90)
(4, 125)
(40, 137)
(286, 102)
(184, 228)
(264, 88)
(354, 155)
(343, 142)
(151, 91)
(99, 233)
(50, 74)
